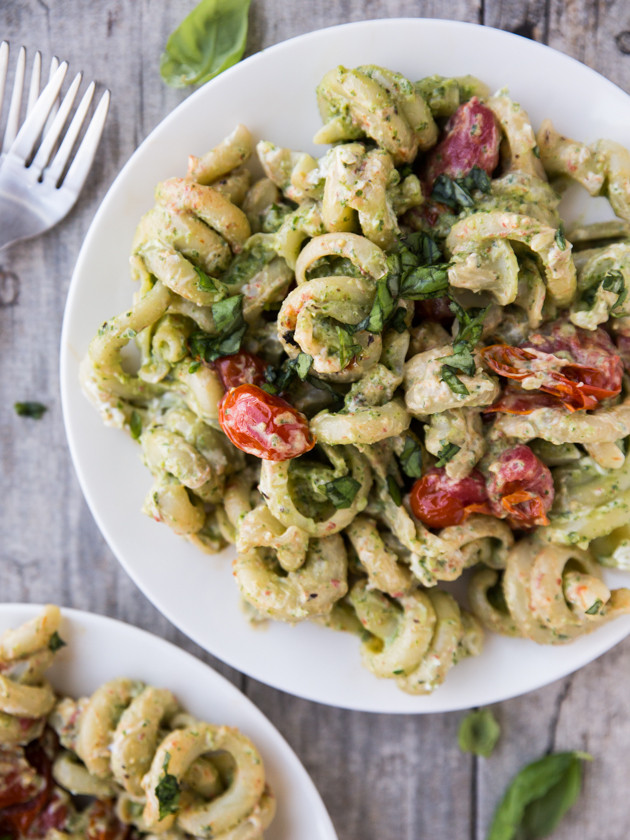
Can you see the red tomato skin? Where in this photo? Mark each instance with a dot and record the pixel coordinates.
(471, 138)
(439, 501)
(17, 817)
(264, 425)
(435, 309)
(520, 488)
(103, 823)
(240, 369)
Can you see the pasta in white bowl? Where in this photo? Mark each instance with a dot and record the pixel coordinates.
(98, 769)
(423, 287)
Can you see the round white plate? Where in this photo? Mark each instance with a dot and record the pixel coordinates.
(273, 93)
(100, 649)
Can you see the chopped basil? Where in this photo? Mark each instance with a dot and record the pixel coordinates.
(230, 330)
(448, 451)
(279, 378)
(461, 359)
(538, 797)
(247, 264)
(470, 322)
(135, 425)
(536, 151)
(457, 192)
(36, 410)
(55, 642)
(448, 375)
(167, 791)
(425, 281)
(411, 458)
(194, 367)
(478, 733)
(614, 282)
(346, 348)
(341, 491)
(560, 238)
(394, 490)
(382, 309)
(207, 283)
(595, 607)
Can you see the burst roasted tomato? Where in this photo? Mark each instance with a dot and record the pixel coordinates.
(240, 369)
(54, 816)
(471, 138)
(435, 309)
(577, 366)
(439, 501)
(25, 793)
(520, 488)
(103, 823)
(515, 400)
(264, 425)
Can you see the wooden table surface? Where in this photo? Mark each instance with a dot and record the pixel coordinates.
(385, 777)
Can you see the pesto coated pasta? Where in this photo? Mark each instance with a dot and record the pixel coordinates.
(384, 367)
(128, 759)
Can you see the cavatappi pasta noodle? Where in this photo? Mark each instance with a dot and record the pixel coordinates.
(379, 369)
(125, 763)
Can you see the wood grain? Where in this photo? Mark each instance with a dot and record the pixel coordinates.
(385, 777)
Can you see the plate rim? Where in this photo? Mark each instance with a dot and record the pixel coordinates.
(622, 627)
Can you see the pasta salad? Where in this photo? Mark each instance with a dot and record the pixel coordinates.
(380, 370)
(125, 763)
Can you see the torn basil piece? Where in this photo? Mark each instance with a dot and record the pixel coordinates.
(341, 491)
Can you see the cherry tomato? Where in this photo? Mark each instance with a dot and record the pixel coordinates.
(577, 386)
(439, 501)
(264, 425)
(16, 818)
(55, 815)
(471, 138)
(623, 348)
(103, 823)
(521, 488)
(515, 400)
(240, 369)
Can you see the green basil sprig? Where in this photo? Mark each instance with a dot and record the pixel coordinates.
(208, 41)
(478, 733)
(538, 797)
(457, 192)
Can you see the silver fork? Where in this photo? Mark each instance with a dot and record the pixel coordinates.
(15, 104)
(42, 174)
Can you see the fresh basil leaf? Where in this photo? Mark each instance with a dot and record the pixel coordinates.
(207, 283)
(227, 313)
(425, 281)
(543, 815)
(538, 797)
(209, 40)
(399, 320)
(560, 238)
(303, 364)
(36, 410)
(135, 424)
(595, 607)
(341, 491)
(55, 642)
(394, 490)
(230, 330)
(476, 179)
(461, 359)
(194, 367)
(448, 375)
(346, 348)
(470, 322)
(614, 282)
(247, 264)
(167, 791)
(448, 451)
(478, 733)
(451, 192)
(411, 458)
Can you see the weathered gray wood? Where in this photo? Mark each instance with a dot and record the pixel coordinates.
(391, 778)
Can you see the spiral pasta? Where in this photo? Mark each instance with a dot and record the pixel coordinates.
(132, 746)
(387, 365)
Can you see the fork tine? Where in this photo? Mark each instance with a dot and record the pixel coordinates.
(33, 91)
(85, 153)
(13, 120)
(62, 157)
(32, 126)
(4, 67)
(53, 132)
(54, 63)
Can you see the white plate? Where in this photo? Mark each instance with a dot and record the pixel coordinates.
(273, 93)
(100, 649)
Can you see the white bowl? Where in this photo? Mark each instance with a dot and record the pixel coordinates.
(100, 649)
(273, 93)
